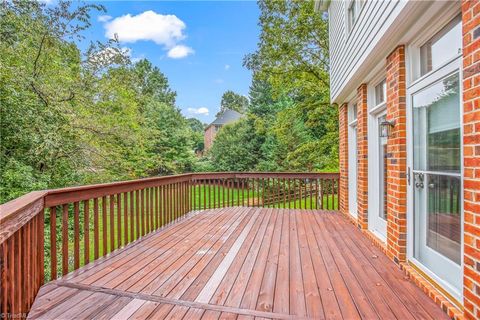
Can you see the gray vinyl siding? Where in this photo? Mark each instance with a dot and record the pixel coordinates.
(348, 49)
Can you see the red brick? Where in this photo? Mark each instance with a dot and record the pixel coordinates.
(397, 146)
(471, 161)
(362, 147)
(343, 157)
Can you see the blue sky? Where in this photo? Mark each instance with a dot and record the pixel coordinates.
(198, 45)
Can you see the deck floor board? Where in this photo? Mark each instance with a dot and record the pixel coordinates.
(241, 263)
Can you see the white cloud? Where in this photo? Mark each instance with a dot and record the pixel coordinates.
(202, 111)
(218, 81)
(162, 29)
(104, 18)
(227, 67)
(179, 51)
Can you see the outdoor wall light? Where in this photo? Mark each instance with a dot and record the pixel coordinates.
(386, 128)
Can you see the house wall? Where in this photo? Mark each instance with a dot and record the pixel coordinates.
(357, 59)
(343, 156)
(362, 157)
(397, 157)
(348, 49)
(209, 137)
(471, 161)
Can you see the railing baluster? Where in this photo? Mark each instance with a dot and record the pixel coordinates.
(41, 236)
(228, 192)
(132, 215)
(333, 194)
(17, 277)
(53, 243)
(112, 223)
(96, 249)
(177, 198)
(76, 236)
(146, 210)
(125, 218)
(119, 220)
(86, 232)
(65, 239)
(304, 185)
(157, 206)
(104, 225)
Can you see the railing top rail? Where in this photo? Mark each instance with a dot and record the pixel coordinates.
(16, 213)
(9, 209)
(292, 175)
(53, 197)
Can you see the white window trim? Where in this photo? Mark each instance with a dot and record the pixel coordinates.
(352, 163)
(373, 150)
(359, 8)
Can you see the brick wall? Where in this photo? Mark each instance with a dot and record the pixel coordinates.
(471, 162)
(343, 156)
(362, 157)
(209, 136)
(397, 156)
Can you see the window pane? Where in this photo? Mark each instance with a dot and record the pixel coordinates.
(383, 172)
(445, 45)
(380, 92)
(352, 114)
(436, 127)
(352, 15)
(444, 219)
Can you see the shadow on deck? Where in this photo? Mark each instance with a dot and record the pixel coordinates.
(241, 263)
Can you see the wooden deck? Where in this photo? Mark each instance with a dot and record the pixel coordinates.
(241, 263)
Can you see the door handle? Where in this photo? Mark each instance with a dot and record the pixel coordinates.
(418, 179)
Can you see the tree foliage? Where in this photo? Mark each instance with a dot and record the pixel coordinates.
(70, 117)
(233, 101)
(291, 125)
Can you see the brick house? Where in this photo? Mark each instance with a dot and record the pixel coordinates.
(226, 117)
(406, 78)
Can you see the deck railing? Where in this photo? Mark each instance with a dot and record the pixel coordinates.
(46, 234)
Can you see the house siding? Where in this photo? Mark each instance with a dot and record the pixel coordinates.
(348, 49)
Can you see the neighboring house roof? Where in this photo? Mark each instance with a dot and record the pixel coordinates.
(228, 116)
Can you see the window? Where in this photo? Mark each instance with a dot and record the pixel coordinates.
(353, 11)
(352, 114)
(380, 92)
(445, 45)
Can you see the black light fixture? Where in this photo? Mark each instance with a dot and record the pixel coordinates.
(386, 128)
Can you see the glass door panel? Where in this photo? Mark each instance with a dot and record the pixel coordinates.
(437, 179)
(382, 161)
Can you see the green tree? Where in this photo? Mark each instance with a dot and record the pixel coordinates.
(236, 147)
(297, 67)
(298, 63)
(233, 101)
(198, 130)
(74, 117)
